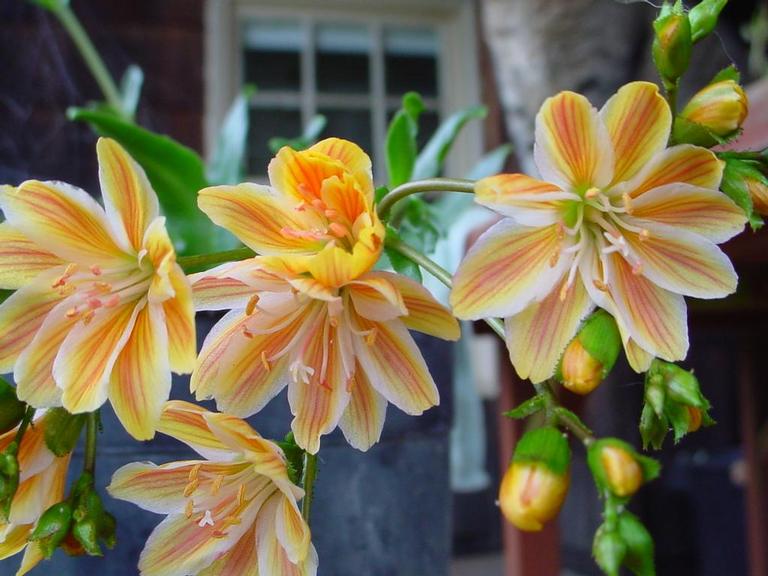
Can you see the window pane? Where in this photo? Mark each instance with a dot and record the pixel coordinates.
(342, 59)
(410, 60)
(266, 123)
(354, 125)
(272, 57)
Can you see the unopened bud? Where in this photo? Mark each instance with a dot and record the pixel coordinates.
(9, 478)
(721, 108)
(704, 17)
(52, 527)
(609, 550)
(694, 419)
(591, 354)
(622, 471)
(672, 44)
(11, 408)
(535, 484)
(757, 185)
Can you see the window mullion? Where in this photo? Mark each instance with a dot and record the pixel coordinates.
(378, 94)
(308, 81)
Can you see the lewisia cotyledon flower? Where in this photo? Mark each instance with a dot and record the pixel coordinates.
(310, 313)
(42, 480)
(234, 512)
(618, 220)
(101, 309)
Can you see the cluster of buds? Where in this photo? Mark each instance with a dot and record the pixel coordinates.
(745, 180)
(622, 540)
(76, 524)
(590, 356)
(535, 484)
(11, 414)
(673, 399)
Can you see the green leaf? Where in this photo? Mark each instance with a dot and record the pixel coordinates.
(51, 5)
(400, 263)
(527, 408)
(401, 140)
(176, 173)
(727, 73)
(430, 161)
(294, 456)
(609, 550)
(704, 17)
(62, 430)
(310, 135)
(130, 89)
(492, 163)
(639, 545)
(417, 226)
(11, 408)
(226, 164)
(653, 429)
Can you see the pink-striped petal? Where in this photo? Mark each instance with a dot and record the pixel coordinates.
(425, 314)
(187, 423)
(363, 420)
(291, 530)
(376, 297)
(241, 559)
(528, 201)
(180, 323)
(21, 260)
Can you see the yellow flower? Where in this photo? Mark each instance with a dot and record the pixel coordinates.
(42, 481)
(233, 512)
(101, 309)
(618, 221)
(530, 494)
(721, 107)
(311, 314)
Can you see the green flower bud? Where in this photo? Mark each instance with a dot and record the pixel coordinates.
(704, 17)
(609, 550)
(52, 527)
(86, 532)
(738, 181)
(639, 544)
(617, 467)
(9, 478)
(591, 354)
(672, 43)
(11, 408)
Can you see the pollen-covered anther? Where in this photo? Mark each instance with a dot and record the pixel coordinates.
(564, 291)
(88, 316)
(62, 280)
(600, 285)
(252, 303)
(216, 484)
(94, 303)
(370, 338)
(592, 193)
(102, 287)
(644, 235)
(72, 312)
(247, 333)
(627, 203)
(190, 488)
(554, 258)
(265, 362)
(241, 496)
(96, 270)
(189, 509)
(194, 472)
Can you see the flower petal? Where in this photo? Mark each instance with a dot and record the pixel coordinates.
(180, 323)
(130, 202)
(63, 220)
(655, 318)
(639, 360)
(212, 292)
(425, 314)
(638, 120)
(33, 555)
(186, 422)
(508, 267)
(684, 164)
(572, 144)
(537, 336)
(260, 218)
(40, 491)
(33, 371)
(363, 420)
(241, 559)
(375, 297)
(300, 174)
(87, 355)
(528, 201)
(140, 382)
(682, 262)
(22, 314)
(160, 252)
(273, 559)
(395, 367)
(21, 260)
(704, 211)
(291, 530)
(334, 266)
(160, 489)
(15, 540)
(352, 157)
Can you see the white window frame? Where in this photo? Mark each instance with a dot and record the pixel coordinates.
(454, 21)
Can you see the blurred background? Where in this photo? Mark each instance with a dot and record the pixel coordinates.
(423, 501)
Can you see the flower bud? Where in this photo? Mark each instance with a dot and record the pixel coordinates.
(591, 354)
(9, 478)
(720, 107)
(694, 418)
(534, 487)
(609, 550)
(704, 17)
(11, 408)
(672, 43)
(52, 527)
(618, 468)
(757, 186)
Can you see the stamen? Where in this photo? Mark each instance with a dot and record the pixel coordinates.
(206, 520)
(194, 472)
(301, 373)
(370, 338)
(191, 487)
(251, 306)
(644, 235)
(592, 193)
(241, 496)
(62, 280)
(564, 291)
(189, 509)
(94, 303)
(337, 230)
(88, 316)
(216, 486)
(600, 285)
(247, 333)
(331, 214)
(72, 312)
(112, 301)
(265, 361)
(554, 258)
(627, 203)
(102, 286)
(96, 270)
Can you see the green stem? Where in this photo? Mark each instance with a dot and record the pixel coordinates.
(310, 474)
(25, 421)
(429, 185)
(193, 263)
(91, 57)
(91, 429)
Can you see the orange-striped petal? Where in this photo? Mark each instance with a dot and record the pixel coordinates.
(140, 381)
(40, 491)
(684, 164)
(180, 323)
(63, 220)
(334, 266)
(707, 212)
(88, 354)
(160, 489)
(186, 422)
(241, 559)
(527, 200)
(15, 540)
(300, 175)
(213, 292)
(264, 221)
(572, 144)
(425, 314)
(161, 254)
(273, 559)
(129, 199)
(375, 297)
(22, 315)
(638, 120)
(395, 367)
(33, 555)
(363, 420)
(352, 157)
(508, 267)
(639, 360)
(682, 262)
(537, 336)
(291, 530)
(34, 455)
(654, 317)
(33, 371)
(21, 260)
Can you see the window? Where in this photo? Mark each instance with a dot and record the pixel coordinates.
(351, 62)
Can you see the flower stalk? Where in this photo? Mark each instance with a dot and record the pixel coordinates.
(198, 261)
(91, 429)
(419, 186)
(310, 475)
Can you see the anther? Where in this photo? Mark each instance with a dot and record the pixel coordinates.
(252, 303)
(241, 496)
(644, 235)
(265, 361)
(216, 486)
(191, 487)
(72, 312)
(600, 285)
(370, 338)
(88, 316)
(194, 472)
(627, 203)
(247, 333)
(96, 270)
(554, 258)
(189, 509)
